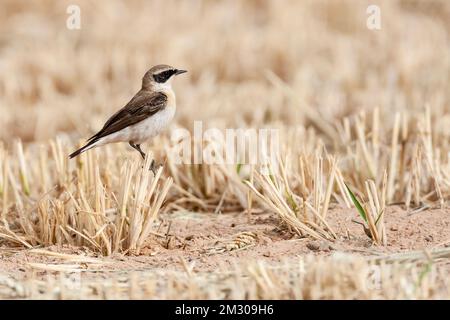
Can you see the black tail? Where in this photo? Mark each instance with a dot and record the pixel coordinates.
(82, 149)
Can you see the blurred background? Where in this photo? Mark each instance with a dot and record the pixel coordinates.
(242, 56)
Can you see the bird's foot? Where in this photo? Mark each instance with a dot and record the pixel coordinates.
(155, 167)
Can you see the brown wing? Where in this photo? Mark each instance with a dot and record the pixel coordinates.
(142, 106)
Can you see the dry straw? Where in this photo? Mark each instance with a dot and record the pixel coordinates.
(307, 277)
(81, 208)
(112, 205)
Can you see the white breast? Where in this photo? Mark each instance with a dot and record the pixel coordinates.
(152, 126)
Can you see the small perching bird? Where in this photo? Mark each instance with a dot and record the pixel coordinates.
(144, 117)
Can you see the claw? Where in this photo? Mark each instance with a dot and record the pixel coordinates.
(154, 167)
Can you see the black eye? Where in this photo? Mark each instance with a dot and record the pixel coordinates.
(163, 76)
(159, 77)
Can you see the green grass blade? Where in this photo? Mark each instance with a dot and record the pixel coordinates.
(291, 202)
(379, 216)
(357, 204)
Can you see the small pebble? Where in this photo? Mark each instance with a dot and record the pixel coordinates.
(314, 246)
(319, 246)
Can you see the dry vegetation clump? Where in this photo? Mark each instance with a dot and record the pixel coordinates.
(307, 277)
(362, 118)
(110, 211)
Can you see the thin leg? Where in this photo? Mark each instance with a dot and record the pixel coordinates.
(154, 167)
(138, 148)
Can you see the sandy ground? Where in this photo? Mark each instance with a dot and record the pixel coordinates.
(205, 242)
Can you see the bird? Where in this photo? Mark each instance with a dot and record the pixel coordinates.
(149, 112)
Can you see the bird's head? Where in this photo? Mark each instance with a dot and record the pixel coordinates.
(159, 77)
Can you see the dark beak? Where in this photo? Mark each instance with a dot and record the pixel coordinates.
(180, 72)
